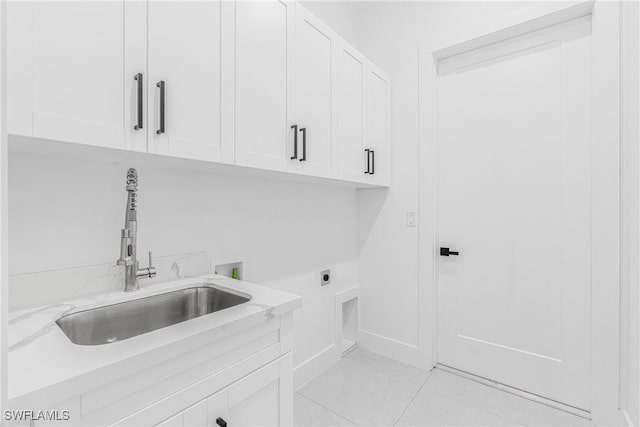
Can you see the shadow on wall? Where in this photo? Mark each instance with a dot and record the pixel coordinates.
(280, 229)
(370, 203)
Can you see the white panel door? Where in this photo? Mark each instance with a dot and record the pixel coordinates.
(377, 134)
(184, 57)
(263, 72)
(514, 199)
(66, 62)
(351, 113)
(315, 58)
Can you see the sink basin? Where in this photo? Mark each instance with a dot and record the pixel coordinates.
(118, 322)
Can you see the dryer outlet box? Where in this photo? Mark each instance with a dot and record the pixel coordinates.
(325, 277)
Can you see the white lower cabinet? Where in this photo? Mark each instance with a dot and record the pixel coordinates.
(202, 414)
(255, 400)
(242, 379)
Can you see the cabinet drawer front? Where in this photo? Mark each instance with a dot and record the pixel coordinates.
(176, 402)
(137, 390)
(244, 388)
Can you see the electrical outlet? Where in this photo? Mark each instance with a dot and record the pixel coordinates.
(325, 277)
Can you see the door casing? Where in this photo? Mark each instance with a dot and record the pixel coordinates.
(605, 17)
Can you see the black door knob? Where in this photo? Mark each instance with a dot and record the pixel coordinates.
(447, 252)
(221, 422)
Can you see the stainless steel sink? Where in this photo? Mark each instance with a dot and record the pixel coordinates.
(118, 322)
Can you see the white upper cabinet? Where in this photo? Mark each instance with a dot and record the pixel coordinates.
(263, 80)
(377, 133)
(315, 94)
(259, 83)
(351, 113)
(184, 79)
(65, 71)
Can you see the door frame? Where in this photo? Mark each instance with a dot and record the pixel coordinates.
(605, 328)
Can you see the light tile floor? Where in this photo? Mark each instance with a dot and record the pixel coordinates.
(367, 389)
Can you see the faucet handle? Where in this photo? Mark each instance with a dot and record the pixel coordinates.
(151, 269)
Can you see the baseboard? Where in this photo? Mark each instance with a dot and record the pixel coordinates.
(394, 349)
(315, 365)
(627, 418)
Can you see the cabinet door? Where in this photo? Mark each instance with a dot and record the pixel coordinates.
(197, 415)
(175, 421)
(184, 54)
(263, 71)
(65, 71)
(194, 416)
(377, 134)
(351, 114)
(217, 408)
(255, 400)
(315, 91)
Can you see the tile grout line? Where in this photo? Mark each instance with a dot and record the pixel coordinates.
(413, 398)
(390, 373)
(365, 365)
(566, 413)
(429, 372)
(473, 405)
(328, 409)
(517, 423)
(467, 378)
(468, 403)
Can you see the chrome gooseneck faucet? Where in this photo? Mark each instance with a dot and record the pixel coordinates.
(128, 242)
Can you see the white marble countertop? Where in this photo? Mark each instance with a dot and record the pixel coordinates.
(44, 362)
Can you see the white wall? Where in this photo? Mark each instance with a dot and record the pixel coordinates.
(630, 292)
(341, 16)
(66, 213)
(4, 305)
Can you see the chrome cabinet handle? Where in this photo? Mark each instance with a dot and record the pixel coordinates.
(138, 78)
(161, 85)
(295, 142)
(304, 144)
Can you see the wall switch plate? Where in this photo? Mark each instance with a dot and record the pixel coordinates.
(412, 218)
(325, 277)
